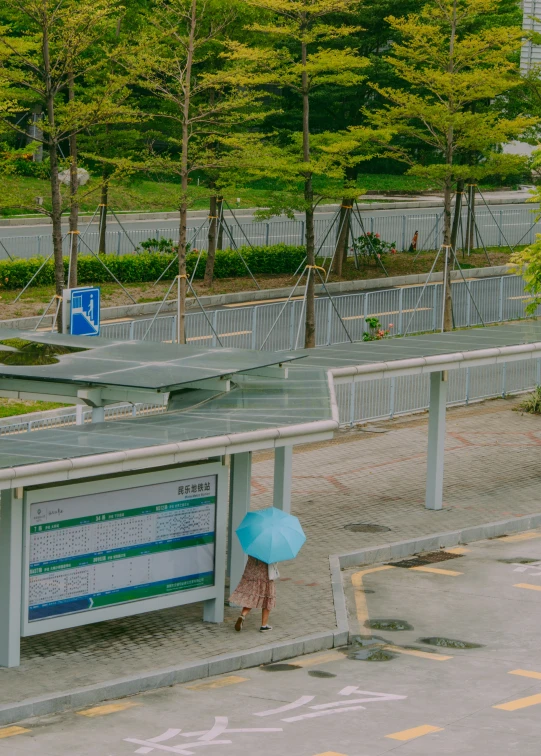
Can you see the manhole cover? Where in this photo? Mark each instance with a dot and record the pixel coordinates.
(388, 624)
(320, 673)
(422, 559)
(366, 527)
(449, 643)
(279, 667)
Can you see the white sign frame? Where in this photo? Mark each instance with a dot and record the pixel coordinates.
(213, 594)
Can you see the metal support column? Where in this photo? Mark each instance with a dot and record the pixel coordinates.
(239, 504)
(436, 440)
(11, 554)
(283, 473)
(98, 414)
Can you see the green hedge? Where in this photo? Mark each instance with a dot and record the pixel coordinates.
(148, 266)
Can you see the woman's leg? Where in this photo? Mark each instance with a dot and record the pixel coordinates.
(246, 611)
(265, 617)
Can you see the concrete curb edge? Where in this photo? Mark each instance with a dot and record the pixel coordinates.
(225, 663)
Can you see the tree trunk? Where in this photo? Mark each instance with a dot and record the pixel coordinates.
(211, 254)
(341, 254)
(458, 212)
(74, 204)
(448, 302)
(104, 201)
(183, 282)
(219, 213)
(310, 323)
(56, 199)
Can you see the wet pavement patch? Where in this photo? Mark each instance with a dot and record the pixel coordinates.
(432, 557)
(320, 673)
(449, 643)
(374, 654)
(278, 667)
(388, 624)
(519, 560)
(366, 527)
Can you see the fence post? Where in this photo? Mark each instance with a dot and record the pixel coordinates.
(118, 244)
(503, 379)
(467, 386)
(267, 233)
(352, 404)
(403, 233)
(501, 298)
(391, 398)
(132, 328)
(215, 327)
(400, 311)
(254, 327)
(468, 306)
(292, 312)
(329, 321)
(500, 229)
(39, 245)
(174, 332)
(371, 224)
(365, 327)
(538, 373)
(434, 303)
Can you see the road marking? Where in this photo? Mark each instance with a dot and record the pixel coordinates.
(313, 661)
(221, 335)
(9, 732)
(330, 753)
(436, 571)
(526, 673)
(415, 652)
(520, 703)
(101, 711)
(360, 598)
(222, 683)
(262, 301)
(414, 732)
(528, 585)
(521, 536)
(458, 550)
(382, 314)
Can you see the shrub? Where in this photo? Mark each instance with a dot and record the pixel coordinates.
(148, 266)
(532, 403)
(370, 245)
(376, 330)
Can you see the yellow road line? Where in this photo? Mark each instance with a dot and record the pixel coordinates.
(9, 732)
(415, 732)
(528, 585)
(263, 301)
(221, 683)
(360, 598)
(520, 703)
(221, 335)
(381, 314)
(101, 711)
(313, 661)
(436, 571)
(414, 652)
(458, 550)
(522, 536)
(526, 673)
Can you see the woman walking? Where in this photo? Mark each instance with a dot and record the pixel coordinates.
(256, 590)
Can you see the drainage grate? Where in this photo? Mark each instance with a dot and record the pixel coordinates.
(366, 527)
(430, 558)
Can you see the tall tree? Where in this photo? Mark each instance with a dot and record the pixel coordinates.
(170, 63)
(453, 66)
(300, 51)
(61, 45)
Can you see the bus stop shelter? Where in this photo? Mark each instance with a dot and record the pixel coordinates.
(104, 483)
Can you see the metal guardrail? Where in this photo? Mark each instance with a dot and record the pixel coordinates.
(58, 421)
(483, 300)
(513, 226)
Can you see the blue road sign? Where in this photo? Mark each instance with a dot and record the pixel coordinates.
(85, 312)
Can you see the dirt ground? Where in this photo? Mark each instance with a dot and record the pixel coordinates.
(35, 300)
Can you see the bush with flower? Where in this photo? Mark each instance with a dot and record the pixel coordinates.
(376, 330)
(372, 245)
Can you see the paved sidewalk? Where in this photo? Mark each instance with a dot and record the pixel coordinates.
(493, 472)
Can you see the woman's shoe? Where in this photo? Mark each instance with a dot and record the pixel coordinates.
(264, 628)
(239, 623)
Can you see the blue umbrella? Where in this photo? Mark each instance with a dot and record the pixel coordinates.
(271, 535)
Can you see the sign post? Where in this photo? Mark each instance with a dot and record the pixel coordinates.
(82, 311)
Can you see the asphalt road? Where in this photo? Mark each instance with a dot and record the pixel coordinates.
(480, 695)
(243, 216)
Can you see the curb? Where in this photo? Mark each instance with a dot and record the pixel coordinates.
(225, 663)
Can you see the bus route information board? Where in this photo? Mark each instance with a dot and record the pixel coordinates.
(93, 551)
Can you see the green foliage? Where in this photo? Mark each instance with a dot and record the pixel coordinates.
(532, 403)
(148, 266)
(376, 331)
(528, 263)
(372, 245)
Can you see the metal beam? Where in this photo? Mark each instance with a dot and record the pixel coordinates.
(11, 555)
(71, 393)
(283, 472)
(436, 440)
(240, 483)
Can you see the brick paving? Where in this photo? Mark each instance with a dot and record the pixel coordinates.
(493, 472)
